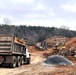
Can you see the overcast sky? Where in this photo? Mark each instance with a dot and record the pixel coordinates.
(46, 13)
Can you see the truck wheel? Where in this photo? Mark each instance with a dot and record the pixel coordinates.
(18, 61)
(22, 60)
(13, 65)
(28, 60)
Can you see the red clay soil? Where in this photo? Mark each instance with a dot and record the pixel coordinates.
(71, 43)
(58, 70)
(33, 49)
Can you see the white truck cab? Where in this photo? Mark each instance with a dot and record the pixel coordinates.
(27, 56)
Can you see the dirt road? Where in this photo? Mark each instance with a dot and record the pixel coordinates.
(36, 60)
(37, 67)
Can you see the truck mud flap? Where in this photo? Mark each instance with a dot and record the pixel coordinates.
(1, 59)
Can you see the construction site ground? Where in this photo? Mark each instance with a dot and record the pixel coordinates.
(37, 67)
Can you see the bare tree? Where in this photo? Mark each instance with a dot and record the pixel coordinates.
(65, 27)
(6, 21)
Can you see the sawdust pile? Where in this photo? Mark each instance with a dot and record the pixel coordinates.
(58, 60)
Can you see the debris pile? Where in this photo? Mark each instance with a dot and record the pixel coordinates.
(56, 39)
(58, 60)
(41, 45)
(38, 46)
(71, 43)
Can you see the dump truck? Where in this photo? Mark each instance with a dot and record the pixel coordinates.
(13, 51)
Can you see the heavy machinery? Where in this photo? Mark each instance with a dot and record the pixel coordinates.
(13, 51)
(59, 49)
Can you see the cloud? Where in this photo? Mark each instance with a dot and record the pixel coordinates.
(1, 4)
(1, 18)
(69, 7)
(40, 7)
(39, 12)
(50, 9)
(52, 13)
(34, 16)
(56, 22)
(22, 1)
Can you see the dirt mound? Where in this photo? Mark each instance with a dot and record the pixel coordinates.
(45, 53)
(33, 49)
(71, 43)
(58, 60)
(56, 39)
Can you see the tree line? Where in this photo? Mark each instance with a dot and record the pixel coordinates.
(35, 33)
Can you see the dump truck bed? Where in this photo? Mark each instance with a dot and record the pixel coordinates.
(11, 45)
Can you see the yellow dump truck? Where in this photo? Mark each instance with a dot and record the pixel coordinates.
(13, 51)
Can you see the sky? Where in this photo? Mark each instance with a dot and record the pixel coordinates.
(47, 13)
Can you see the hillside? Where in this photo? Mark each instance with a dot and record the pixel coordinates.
(35, 33)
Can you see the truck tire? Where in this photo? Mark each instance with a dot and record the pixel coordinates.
(18, 61)
(28, 60)
(13, 65)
